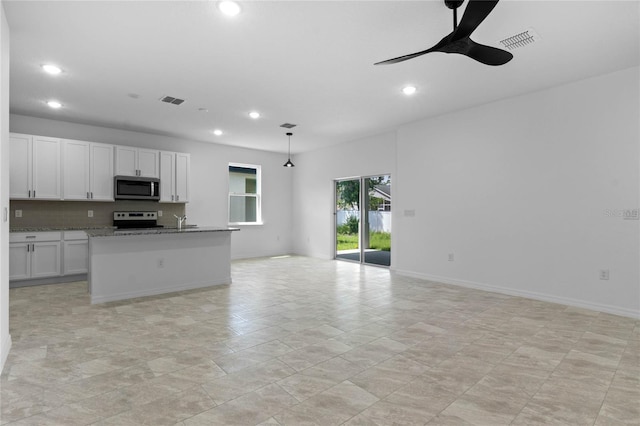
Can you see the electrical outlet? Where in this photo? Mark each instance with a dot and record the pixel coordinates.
(18, 213)
(604, 274)
(89, 213)
(451, 257)
(160, 263)
(159, 213)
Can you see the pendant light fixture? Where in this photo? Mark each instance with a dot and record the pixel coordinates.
(289, 163)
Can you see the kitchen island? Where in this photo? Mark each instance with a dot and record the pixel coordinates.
(125, 264)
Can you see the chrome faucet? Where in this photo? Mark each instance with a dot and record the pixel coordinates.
(180, 220)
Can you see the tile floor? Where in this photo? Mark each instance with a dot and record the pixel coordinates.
(297, 341)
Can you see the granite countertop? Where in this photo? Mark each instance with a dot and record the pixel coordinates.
(59, 228)
(112, 232)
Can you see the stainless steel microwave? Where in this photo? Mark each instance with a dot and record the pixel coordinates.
(136, 188)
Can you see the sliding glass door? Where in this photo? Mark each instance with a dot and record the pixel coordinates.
(363, 220)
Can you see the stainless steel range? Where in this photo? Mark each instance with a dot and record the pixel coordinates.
(136, 220)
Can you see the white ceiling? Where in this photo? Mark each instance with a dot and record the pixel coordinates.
(303, 62)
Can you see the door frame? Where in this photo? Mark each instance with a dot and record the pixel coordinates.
(361, 222)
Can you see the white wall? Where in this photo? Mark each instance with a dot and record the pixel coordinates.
(5, 337)
(518, 190)
(313, 188)
(209, 180)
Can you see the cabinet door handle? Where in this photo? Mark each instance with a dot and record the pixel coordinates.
(177, 198)
(88, 195)
(92, 195)
(172, 198)
(28, 248)
(33, 248)
(34, 193)
(29, 196)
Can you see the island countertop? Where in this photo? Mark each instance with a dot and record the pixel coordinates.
(112, 232)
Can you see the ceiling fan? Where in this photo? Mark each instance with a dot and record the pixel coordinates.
(458, 40)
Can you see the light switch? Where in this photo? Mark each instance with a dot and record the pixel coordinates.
(18, 213)
(90, 213)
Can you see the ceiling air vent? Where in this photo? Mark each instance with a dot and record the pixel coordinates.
(520, 40)
(288, 125)
(171, 100)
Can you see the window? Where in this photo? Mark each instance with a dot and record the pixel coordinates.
(244, 194)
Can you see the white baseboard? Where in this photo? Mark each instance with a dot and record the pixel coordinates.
(318, 255)
(4, 351)
(241, 256)
(545, 297)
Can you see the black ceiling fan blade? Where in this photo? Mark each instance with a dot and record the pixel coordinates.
(486, 54)
(435, 48)
(474, 14)
(403, 58)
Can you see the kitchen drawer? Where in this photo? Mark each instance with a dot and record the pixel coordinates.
(75, 235)
(33, 237)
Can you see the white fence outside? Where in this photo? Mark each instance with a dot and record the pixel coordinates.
(379, 221)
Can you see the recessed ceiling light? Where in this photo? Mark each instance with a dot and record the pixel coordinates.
(254, 114)
(409, 90)
(229, 8)
(54, 104)
(217, 132)
(51, 69)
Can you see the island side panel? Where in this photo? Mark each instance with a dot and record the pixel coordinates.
(128, 266)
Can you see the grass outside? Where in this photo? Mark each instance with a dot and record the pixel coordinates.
(377, 241)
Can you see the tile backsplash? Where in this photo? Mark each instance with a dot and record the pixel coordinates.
(36, 213)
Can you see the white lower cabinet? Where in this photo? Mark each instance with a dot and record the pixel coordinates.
(34, 255)
(19, 261)
(45, 259)
(75, 253)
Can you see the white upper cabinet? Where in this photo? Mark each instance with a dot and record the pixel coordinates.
(34, 167)
(126, 161)
(76, 164)
(20, 166)
(174, 177)
(101, 172)
(46, 168)
(88, 171)
(137, 162)
(183, 165)
(148, 163)
(167, 177)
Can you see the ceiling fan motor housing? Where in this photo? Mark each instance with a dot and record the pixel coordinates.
(453, 4)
